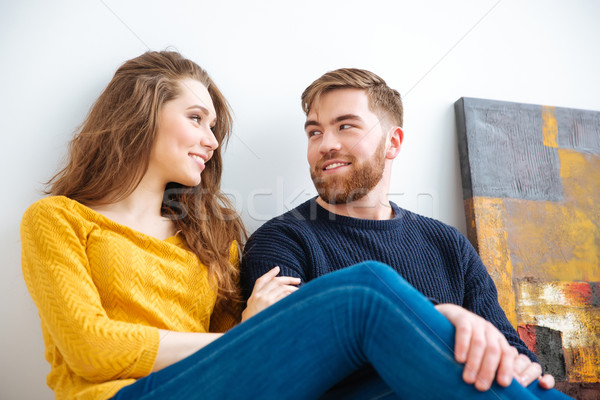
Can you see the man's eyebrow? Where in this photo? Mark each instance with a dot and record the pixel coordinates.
(346, 117)
(341, 118)
(310, 122)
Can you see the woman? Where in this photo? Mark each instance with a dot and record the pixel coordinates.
(132, 263)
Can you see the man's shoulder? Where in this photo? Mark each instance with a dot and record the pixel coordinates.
(421, 221)
(429, 229)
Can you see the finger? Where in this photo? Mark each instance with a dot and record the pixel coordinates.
(531, 373)
(461, 342)
(507, 363)
(521, 364)
(490, 359)
(475, 353)
(284, 292)
(288, 280)
(547, 381)
(263, 280)
(275, 284)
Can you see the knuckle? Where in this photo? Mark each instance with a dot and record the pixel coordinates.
(493, 350)
(478, 340)
(522, 358)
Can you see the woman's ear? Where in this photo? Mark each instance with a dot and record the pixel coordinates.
(396, 138)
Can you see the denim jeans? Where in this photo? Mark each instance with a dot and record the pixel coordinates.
(340, 323)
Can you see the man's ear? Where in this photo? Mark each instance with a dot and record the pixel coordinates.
(396, 138)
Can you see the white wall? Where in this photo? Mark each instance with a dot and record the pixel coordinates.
(57, 57)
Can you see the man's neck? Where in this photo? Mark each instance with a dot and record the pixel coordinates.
(369, 207)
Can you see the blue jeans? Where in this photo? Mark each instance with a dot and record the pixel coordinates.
(333, 326)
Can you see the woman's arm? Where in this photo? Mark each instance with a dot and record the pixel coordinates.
(175, 346)
(57, 273)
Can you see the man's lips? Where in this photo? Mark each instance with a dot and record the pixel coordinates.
(334, 164)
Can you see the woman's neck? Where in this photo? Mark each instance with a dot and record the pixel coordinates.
(141, 211)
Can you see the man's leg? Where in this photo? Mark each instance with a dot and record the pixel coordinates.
(301, 346)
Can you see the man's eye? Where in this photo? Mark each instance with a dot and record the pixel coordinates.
(313, 133)
(345, 126)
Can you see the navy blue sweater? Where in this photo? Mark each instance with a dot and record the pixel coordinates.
(437, 259)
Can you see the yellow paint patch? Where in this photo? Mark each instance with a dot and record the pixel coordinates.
(549, 127)
(493, 245)
(565, 240)
(580, 173)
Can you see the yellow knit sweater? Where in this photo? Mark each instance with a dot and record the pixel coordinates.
(102, 291)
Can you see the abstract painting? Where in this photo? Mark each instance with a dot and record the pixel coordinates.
(531, 188)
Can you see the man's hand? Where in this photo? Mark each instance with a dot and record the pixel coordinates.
(527, 372)
(486, 353)
(269, 289)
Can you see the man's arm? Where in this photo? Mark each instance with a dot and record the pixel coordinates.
(272, 246)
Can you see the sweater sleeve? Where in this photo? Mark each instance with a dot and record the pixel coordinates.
(270, 246)
(57, 273)
(481, 297)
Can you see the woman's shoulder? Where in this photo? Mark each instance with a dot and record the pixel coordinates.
(54, 208)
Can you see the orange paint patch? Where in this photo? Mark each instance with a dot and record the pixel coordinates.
(578, 293)
(583, 363)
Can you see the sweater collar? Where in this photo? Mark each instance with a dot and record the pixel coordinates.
(317, 213)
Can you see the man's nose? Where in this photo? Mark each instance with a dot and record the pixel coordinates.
(330, 142)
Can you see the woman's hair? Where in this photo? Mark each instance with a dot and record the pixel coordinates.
(110, 154)
(383, 100)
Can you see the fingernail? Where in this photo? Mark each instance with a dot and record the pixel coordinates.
(484, 384)
(470, 376)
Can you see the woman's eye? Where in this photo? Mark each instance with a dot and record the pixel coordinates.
(213, 128)
(195, 118)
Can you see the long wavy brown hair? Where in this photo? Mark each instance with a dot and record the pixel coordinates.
(110, 154)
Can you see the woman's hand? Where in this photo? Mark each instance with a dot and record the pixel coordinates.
(269, 289)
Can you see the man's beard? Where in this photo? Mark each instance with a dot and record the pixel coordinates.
(356, 183)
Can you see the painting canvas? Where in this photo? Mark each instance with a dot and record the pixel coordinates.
(531, 186)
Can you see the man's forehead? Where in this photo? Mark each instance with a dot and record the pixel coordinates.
(339, 102)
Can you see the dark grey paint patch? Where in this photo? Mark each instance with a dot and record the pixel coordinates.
(502, 151)
(578, 130)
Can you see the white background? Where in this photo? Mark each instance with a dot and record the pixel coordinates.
(58, 56)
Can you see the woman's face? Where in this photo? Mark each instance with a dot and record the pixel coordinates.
(184, 140)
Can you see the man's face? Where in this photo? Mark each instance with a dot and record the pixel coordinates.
(346, 146)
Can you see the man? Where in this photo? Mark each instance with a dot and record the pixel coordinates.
(354, 130)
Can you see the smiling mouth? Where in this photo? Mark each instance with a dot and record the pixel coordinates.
(199, 160)
(335, 165)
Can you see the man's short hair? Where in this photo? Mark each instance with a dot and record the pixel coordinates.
(383, 100)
